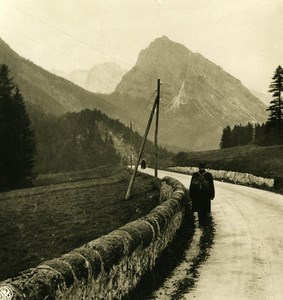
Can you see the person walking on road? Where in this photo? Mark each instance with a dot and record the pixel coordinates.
(202, 192)
(143, 164)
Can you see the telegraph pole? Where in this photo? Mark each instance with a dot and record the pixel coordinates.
(156, 128)
(131, 140)
(154, 107)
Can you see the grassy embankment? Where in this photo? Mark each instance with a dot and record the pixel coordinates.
(71, 209)
(257, 160)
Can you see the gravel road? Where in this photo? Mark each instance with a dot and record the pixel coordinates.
(246, 259)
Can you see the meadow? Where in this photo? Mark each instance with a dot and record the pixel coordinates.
(66, 210)
(264, 161)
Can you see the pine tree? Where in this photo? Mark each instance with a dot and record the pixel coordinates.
(275, 120)
(17, 150)
(260, 133)
(6, 90)
(249, 133)
(226, 141)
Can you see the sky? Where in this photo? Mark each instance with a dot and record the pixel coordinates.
(244, 37)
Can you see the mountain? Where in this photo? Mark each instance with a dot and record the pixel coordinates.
(78, 77)
(83, 140)
(58, 72)
(50, 93)
(71, 126)
(264, 97)
(103, 78)
(198, 97)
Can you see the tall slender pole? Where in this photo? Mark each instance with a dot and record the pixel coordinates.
(156, 128)
(131, 140)
(128, 194)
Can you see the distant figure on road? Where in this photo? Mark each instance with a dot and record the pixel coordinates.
(202, 192)
(143, 164)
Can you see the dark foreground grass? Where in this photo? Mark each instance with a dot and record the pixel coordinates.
(45, 222)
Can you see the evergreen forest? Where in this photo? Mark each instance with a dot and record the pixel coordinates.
(35, 142)
(17, 138)
(268, 133)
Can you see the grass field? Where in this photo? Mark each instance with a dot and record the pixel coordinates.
(256, 160)
(47, 221)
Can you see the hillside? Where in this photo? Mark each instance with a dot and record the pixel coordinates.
(83, 140)
(50, 93)
(78, 77)
(264, 97)
(101, 78)
(256, 160)
(69, 135)
(198, 97)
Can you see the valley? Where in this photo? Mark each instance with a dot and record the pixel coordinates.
(80, 84)
(198, 98)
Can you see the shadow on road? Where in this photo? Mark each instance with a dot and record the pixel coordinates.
(177, 269)
(206, 237)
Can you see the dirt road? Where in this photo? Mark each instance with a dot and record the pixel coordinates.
(246, 259)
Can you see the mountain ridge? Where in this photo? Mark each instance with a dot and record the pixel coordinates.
(101, 78)
(199, 98)
(49, 92)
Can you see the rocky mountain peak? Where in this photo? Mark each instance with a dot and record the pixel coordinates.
(198, 96)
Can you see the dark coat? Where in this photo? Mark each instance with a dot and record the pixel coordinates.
(143, 164)
(201, 201)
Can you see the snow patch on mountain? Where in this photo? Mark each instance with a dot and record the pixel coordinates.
(179, 99)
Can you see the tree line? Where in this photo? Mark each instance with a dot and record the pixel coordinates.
(82, 140)
(17, 138)
(239, 135)
(34, 142)
(268, 133)
(71, 142)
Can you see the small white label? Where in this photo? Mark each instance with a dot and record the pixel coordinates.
(6, 292)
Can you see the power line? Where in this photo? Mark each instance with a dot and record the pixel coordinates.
(103, 53)
(39, 43)
(58, 30)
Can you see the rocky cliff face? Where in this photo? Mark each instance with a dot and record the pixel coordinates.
(103, 78)
(198, 97)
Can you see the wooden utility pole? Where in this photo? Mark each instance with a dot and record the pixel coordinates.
(131, 140)
(156, 128)
(155, 104)
(128, 194)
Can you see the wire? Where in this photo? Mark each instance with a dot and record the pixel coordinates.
(58, 30)
(39, 43)
(148, 76)
(77, 40)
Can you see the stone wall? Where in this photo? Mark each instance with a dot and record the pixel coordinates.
(111, 266)
(230, 176)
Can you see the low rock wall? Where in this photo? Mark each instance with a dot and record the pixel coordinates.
(111, 266)
(230, 176)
